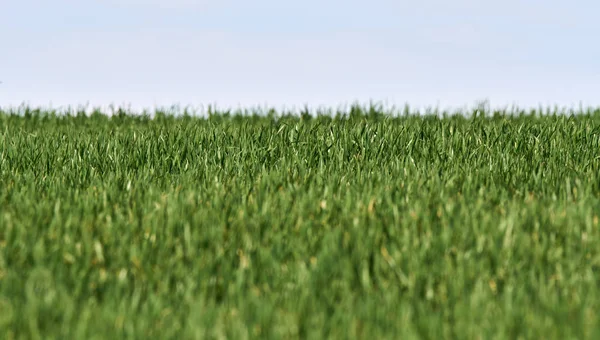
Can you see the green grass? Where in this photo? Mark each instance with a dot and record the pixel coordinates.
(360, 226)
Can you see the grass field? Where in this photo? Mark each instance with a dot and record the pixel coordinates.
(358, 226)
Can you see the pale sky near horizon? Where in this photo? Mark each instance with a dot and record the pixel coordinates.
(290, 53)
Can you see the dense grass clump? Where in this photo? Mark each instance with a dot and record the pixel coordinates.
(349, 226)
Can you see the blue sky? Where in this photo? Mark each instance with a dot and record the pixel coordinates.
(290, 53)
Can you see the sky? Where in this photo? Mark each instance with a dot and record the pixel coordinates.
(235, 53)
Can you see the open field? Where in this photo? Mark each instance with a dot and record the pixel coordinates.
(363, 226)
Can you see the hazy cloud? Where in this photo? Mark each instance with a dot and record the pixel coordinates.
(168, 4)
